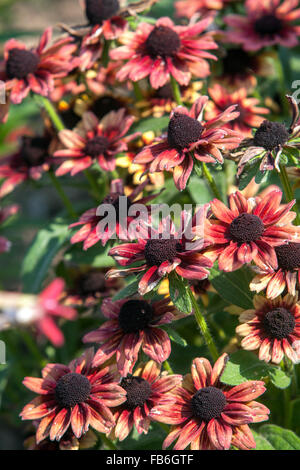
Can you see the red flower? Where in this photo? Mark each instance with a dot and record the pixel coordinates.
(25, 70)
(5, 213)
(104, 15)
(168, 250)
(164, 49)
(29, 162)
(248, 108)
(190, 139)
(249, 231)
(77, 396)
(49, 308)
(90, 232)
(267, 23)
(133, 325)
(272, 327)
(145, 390)
(286, 276)
(208, 415)
(95, 140)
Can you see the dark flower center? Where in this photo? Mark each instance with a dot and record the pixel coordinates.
(162, 41)
(208, 403)
(71, 389)
(98, 11)
(70, 118)
(104, 105)
(20, 63)
(246, 228)
(135, 315)
(164, 92)
(138, 391)
(92, 283)
(96, 146)
(200, 287)
(268, 25)
(278, 323)
(237, 62)
(183, 131)
(114, 200)
(159, 250)
(34, 150)
(288, 256)
(270, 135)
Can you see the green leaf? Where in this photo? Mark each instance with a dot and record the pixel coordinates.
(244, 365)
(40, 254)
(127, 291)
(4, 372)
(279, 438)
(179, 293)
(175, 337)
(151, 124)
(96, 256)
(261, 442)
(249, 172)
(233, 286)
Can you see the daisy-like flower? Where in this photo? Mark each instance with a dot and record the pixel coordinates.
(75, 396)
(272, 328)
(133, 325)
(267, 23)
(166, 251)
(270, 141)
(28, 163)
(145, 389)
(249, 111)
(163, 50)
(188, 8)
(249, 230)
(190, 139)
(286, 276)
(94, 141)
(67, 442)
(208, 415)
(5, 213)
(24, 70)
(104, 16)
(90, 233)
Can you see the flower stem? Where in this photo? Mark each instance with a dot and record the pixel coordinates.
(93, 183)
(288, 190)
(66, 201)
(176, 90)
(137, 91)
(105, 53)
(211, 181)
(203, 327)
(55, 118)
(167, 367)
(108, 442)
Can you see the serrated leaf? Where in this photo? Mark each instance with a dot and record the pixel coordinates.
(40, 254)
(280, 438)
(244, 365)
(179, 293)
(233, 286)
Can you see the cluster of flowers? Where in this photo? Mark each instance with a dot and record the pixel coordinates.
(92, 119)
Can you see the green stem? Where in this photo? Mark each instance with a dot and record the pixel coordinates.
(93, 183)
(211, 181)
(66, 201)
(176, 90)
(105, 53)
(167, 367)
(137, 91)
(55, 118)
(203, 327)
(108, 443)
(289, 195)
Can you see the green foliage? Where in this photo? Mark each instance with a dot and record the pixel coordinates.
(273, 437)
(179, 293)
(233, 286)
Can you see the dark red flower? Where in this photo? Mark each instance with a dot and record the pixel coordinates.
(208, 415)
(133, 325)
(145, 389)
(163, 50)
(25, 70)
(190, 139)
(94, 140)
(76, 396)
(249, 231)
